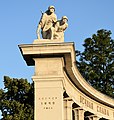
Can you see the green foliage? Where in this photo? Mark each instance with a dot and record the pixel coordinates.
(17, 99)
(96, 62)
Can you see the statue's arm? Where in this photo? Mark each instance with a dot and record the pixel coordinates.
(38, 31)
(56, 26)
(63, 27)
(54, 18)
(40, 25)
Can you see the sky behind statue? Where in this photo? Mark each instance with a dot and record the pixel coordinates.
(19, 20)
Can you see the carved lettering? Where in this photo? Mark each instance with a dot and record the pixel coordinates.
(86, 102)
(47, 102)
(42, 98)
(48, 108)
(102, 110)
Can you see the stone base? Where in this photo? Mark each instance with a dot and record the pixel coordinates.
(48, 83)
(47, 41)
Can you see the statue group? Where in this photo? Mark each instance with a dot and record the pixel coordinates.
(50, 27)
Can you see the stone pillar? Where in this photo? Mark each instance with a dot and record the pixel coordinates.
(93, 117)
(79, 113)
(68, 109)
(48, 85)
(75, 114)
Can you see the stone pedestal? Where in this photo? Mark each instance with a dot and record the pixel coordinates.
(49, 59)
(48, 82)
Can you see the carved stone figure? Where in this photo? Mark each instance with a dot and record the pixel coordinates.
(60, 27)
(46, 23)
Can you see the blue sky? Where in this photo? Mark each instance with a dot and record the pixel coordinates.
(19, 20)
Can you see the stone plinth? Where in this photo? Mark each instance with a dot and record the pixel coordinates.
(37, 41)
(48, 81)
(48, 59)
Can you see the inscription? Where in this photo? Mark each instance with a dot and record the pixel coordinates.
(45, 98)
(47, 102)
(102, 110)
(86, 102)
(48, 107)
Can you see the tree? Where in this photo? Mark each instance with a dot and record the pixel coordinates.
(17, 99)
(96, 62)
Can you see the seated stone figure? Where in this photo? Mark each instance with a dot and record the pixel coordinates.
(46, 23)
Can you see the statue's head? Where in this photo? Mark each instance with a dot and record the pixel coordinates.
(64, 18)
(51, 8)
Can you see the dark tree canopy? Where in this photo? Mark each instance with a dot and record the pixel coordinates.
(96, 62)
(17, 99)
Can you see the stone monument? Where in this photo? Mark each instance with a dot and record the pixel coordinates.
(61, 93)
(51, 28)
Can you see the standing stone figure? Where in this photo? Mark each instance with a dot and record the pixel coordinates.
(60, 27)
(46, 23)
